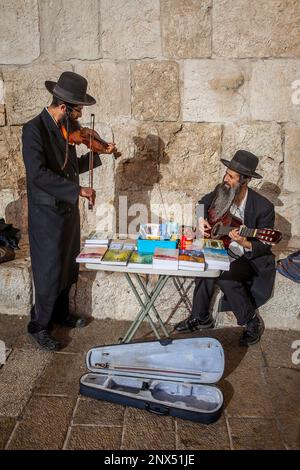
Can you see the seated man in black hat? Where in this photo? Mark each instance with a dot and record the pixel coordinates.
(249, 282)
(52, 172)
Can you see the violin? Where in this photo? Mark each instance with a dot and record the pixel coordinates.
(88, 137)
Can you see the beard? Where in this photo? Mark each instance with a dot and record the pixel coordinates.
(73, 123)
(224, 197)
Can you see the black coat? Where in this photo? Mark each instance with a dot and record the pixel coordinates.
(53, 212)
(259, 213)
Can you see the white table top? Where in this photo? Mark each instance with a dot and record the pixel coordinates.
(150, 270)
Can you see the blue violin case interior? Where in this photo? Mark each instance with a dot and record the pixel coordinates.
(173, 377)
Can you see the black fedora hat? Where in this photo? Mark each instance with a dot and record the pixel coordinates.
(71, 88)
(244, 163)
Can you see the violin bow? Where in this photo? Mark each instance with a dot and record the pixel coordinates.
(91, 157)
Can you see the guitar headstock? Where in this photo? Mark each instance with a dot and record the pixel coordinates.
(268, 236)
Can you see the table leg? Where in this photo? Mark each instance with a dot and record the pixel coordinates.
(142, 286)
(144, 312)
(134, 290)
(183, 294)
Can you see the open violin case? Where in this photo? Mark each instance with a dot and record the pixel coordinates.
(173, 377)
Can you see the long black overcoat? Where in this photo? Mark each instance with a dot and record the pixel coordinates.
(53, 212)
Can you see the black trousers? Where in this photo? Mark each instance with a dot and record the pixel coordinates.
(233, 285)
(49, 310)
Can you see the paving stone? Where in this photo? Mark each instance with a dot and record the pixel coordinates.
(245, 393)
(94, 437)
(142, 430)
(97, 412)
(277, 348)
(6, 427)
(255, 434)
(11, 328)
(44, 424)
(197, 436)
(17, 379)
(62, 375)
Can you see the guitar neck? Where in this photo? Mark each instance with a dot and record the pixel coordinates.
(244, 231)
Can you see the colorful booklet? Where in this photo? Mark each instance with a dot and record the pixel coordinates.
(216, 255)
(91, 254)
(118, 253)
(165, 258)
(191, 260)
(99, 238)
(140, 260)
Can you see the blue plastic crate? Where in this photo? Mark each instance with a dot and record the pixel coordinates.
(148, 246)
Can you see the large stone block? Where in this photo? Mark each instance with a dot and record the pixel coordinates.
(186, 28)
(130, 29)
(70, 29)
(156, 93)
(25, 92)
(256, 29)
(19, 32)
(109, 84)
(190, 159)
(287, 218)
(12, 170)
(271, 90)
(216, 90)
(15, 287)
(292, 158)
(262, 139)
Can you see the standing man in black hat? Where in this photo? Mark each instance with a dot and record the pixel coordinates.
(53, 192)
(249, 282)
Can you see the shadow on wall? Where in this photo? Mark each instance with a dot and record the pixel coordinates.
(272, 192)
(135, 178)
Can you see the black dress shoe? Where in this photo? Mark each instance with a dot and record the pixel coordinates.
(192, 324)
(45, 340)
(71, 321)
(253, 332)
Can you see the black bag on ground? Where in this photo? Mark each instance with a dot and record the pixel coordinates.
(9, 236)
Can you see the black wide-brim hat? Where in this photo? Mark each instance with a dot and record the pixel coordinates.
(71, 88)
(244, 163)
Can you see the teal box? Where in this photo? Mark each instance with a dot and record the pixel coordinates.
(148, 246)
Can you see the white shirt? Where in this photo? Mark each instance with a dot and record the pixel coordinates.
(239, 212)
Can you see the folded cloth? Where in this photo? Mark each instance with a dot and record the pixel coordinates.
(290, 266)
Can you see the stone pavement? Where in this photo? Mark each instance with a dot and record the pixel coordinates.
(40, 407)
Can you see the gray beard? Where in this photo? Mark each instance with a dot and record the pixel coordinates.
(223, 199)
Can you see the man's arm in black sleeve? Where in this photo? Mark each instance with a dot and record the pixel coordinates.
(37, 171)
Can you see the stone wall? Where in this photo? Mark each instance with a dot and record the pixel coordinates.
(179, 84)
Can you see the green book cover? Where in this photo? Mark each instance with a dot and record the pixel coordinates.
(143, 259)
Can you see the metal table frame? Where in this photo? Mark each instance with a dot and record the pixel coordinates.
(147, 304)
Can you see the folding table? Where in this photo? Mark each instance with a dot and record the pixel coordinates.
(147, 304)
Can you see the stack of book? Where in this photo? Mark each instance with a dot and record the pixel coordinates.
(191, 260)
(140, 260)
(165, 258)
(118, 253)
(216, 256)
(98, 238)
(91, 254)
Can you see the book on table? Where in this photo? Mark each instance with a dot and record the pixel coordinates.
(140, 260)
(118, 253)
(216, 256)
(165, 258)
(192, 260)
(91, 254)
(97, 237)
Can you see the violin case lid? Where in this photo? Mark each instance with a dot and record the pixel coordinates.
(170, 377)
